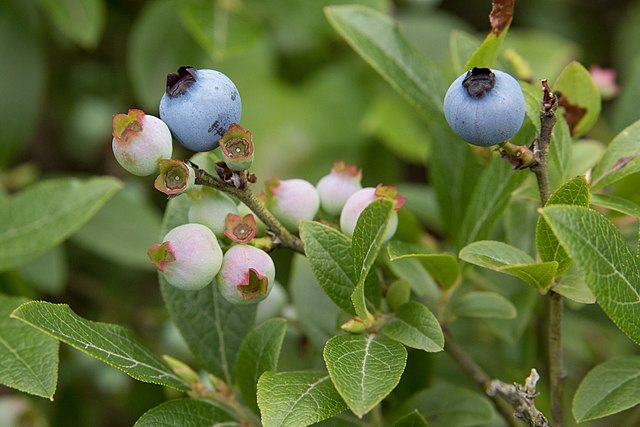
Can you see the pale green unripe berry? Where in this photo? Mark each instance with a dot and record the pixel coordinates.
(210, 207)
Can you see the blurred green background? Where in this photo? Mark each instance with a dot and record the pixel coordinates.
(66, 66)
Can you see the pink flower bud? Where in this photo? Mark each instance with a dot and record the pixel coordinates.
(246, 276)
(189, 256)
(139, 141)
(334, 189)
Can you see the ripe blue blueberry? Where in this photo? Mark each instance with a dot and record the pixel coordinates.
(199, 106)
(485, 107)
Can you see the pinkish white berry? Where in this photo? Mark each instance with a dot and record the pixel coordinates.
(292, 201)
(247, 275)
(189, 256)
(360, 200)
(334, 189)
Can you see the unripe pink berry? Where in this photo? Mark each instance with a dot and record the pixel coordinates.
(210, 207)
(139, 141)
(360, 200)
(292, 201)
(334, 189)
(189, 256)
(247, 275)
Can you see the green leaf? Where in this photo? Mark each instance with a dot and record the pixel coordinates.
(329, 254)
(488, 201)
(46, 213)
(411, 270)
(82, 21)
(447, 406)
(621, 158)
(258, 353)
(579, 97)
(297, 398)
(377, 38)
(499, 256)
(412, 419)
(573, 192)
(186, 413)
(47, 272)
(111, 344)
(29, 357)
(500, 18)
(608, 388)
(122, 230)
(444, 268)
(368, 238)
(616, 203)
(605, 260)
(364, 369)
(212, 327)
(573, 287)
(559, 153)
(415, 326)
(318, 314)
(486, 305)
(462, 46)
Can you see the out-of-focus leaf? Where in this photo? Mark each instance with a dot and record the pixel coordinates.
(377, 38)
(559, 154)
(622, 158)
(122, 230)
(47, 272)
(111, 344)
(488, 305)
(625, 111)
(297, 398)
(447, 406)
(258, 353)
(608, 388)
(82, 21)
(585, 155)
(579, 97)
(186, 413)
(573, 287)
(605, 260)
(29, 356)
(364, 369)
(412, 419)
(616, 203)
(46, 213)
(22, 61)
(462, 46)
(500, 20)
(443, 268)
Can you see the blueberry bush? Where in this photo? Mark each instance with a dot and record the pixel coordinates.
(406, 221)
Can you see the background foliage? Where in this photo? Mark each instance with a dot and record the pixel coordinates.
(309, 100)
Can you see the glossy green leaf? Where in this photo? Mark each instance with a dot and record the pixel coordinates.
(46, 213)
(500, 19)
(212, 327)
(364, 369)
(608, 388)
(621, 158)
(368, 238)
(499, 256)
(297, 398)
(605, 260)
(259, 352)
(111, 344)
(186, 413)
(444, 268)
(415, 326)
(448, 406)
(616, 203)
(329, 254)
(319, 319)
(573, 192)
(122, 230)
(377, 38)
(487, 305)
(573, 287)
(579, 97)
(29, 357)
(488, 201)
(412, 419)
(82, 21)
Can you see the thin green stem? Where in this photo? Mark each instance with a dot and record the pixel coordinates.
(281, 236)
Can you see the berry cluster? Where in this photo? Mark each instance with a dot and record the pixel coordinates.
(225, 242)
